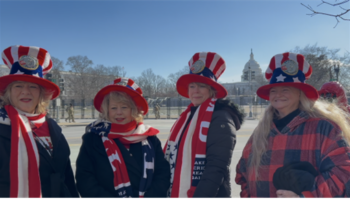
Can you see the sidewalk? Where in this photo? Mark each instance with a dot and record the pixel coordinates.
(78, 122)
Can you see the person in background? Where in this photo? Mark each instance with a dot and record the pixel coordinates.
(334, 92)
(300, 147)
(70, 111)
(34, 153)
(120, 155)
(202, 139)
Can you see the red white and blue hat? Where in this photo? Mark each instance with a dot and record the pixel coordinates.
(28, 64)
(288, 69)
(126, 85)
(205, 67)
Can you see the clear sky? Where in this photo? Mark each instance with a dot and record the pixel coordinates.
(163, 35)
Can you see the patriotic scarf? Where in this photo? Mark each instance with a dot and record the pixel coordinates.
(24, 158)
(127, 134)
(187, 157)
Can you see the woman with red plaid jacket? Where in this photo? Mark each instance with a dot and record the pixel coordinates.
(300, 146)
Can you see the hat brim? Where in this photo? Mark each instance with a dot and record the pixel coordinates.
(48, 85)
(139, 100)
(185, 80)
(310, 92)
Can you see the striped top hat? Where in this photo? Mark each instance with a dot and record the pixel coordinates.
(28, 64)
(205, 67)
(126, 85)
(288, 69)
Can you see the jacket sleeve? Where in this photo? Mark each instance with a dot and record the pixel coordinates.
(334, 164)
(87, 183)
(220, 144)
(69, 180)
(240, 179)
(161, 178)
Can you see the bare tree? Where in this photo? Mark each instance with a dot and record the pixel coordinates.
(322, 61)
(151, 84)
(4, 70)
(173, 77)
(81, 81)
(340, 15)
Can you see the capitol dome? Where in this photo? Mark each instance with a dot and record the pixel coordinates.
(254, 68)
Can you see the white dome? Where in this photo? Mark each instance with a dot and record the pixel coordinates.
(252, 64)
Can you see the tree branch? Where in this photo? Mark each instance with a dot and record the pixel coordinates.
(336, 16)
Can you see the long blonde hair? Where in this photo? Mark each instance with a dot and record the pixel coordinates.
(315, 109)
(44, 98)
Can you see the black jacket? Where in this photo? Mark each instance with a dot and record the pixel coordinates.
(56, 175)
(215, 181)
(94, 173)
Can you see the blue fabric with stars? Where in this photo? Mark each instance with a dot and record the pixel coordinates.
(207, 73)
(99, 128)
(18, 69)
(279, 76)
(3, 114)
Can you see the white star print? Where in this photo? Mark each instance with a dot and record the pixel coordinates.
(36, 74)
(19, 72)
(280, 78)
(296, 80)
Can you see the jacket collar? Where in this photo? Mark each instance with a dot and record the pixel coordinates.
(299, 119)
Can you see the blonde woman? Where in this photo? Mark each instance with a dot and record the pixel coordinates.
(34, 153)
(300, 146)
(202, 140)
(120, 156)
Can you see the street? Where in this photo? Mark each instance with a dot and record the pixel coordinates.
(73, 133)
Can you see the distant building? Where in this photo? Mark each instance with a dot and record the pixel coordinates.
(250, 74)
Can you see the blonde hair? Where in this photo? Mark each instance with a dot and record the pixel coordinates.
(120, 97)
(44, 98)
(315, 109)
(212, 91)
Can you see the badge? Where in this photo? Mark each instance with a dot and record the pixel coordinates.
(28, 62)
(197, 67)
(123, 82)
(290, 67)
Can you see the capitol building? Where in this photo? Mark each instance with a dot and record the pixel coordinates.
(251, 79)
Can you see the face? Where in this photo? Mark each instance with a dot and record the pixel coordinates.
(198, 93)
(119, 113)
(284, 99)
(25, 96)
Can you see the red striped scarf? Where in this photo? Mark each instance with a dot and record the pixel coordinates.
(24, 158)
(128, 134)
(187, 157)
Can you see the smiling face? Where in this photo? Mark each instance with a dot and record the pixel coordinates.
(284, 99)
(198, 93)
(25, 96)
(119, 113)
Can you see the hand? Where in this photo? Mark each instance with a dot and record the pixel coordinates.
(286, 194)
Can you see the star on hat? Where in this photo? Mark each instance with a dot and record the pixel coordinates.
(280, 78)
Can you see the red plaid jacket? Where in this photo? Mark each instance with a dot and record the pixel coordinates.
(315, 140)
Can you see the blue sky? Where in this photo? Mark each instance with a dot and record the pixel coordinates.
(163, 35)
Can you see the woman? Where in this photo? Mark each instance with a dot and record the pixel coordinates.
(120, 156)
(202, 140)
(34, 153)
(300, 146)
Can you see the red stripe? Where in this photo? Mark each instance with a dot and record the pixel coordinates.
(14, 151)
(272, 66)
(41, 56)
(48, 68)
(8, 55)
(219, 63)
(22, 50)
(195, 57)
(33, 169)
(285, 57)
(209, 59)
(130, 82)
(301, 60)
(308, 73)
(117, 80)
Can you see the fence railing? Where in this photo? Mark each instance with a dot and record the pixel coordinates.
(170, 108)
